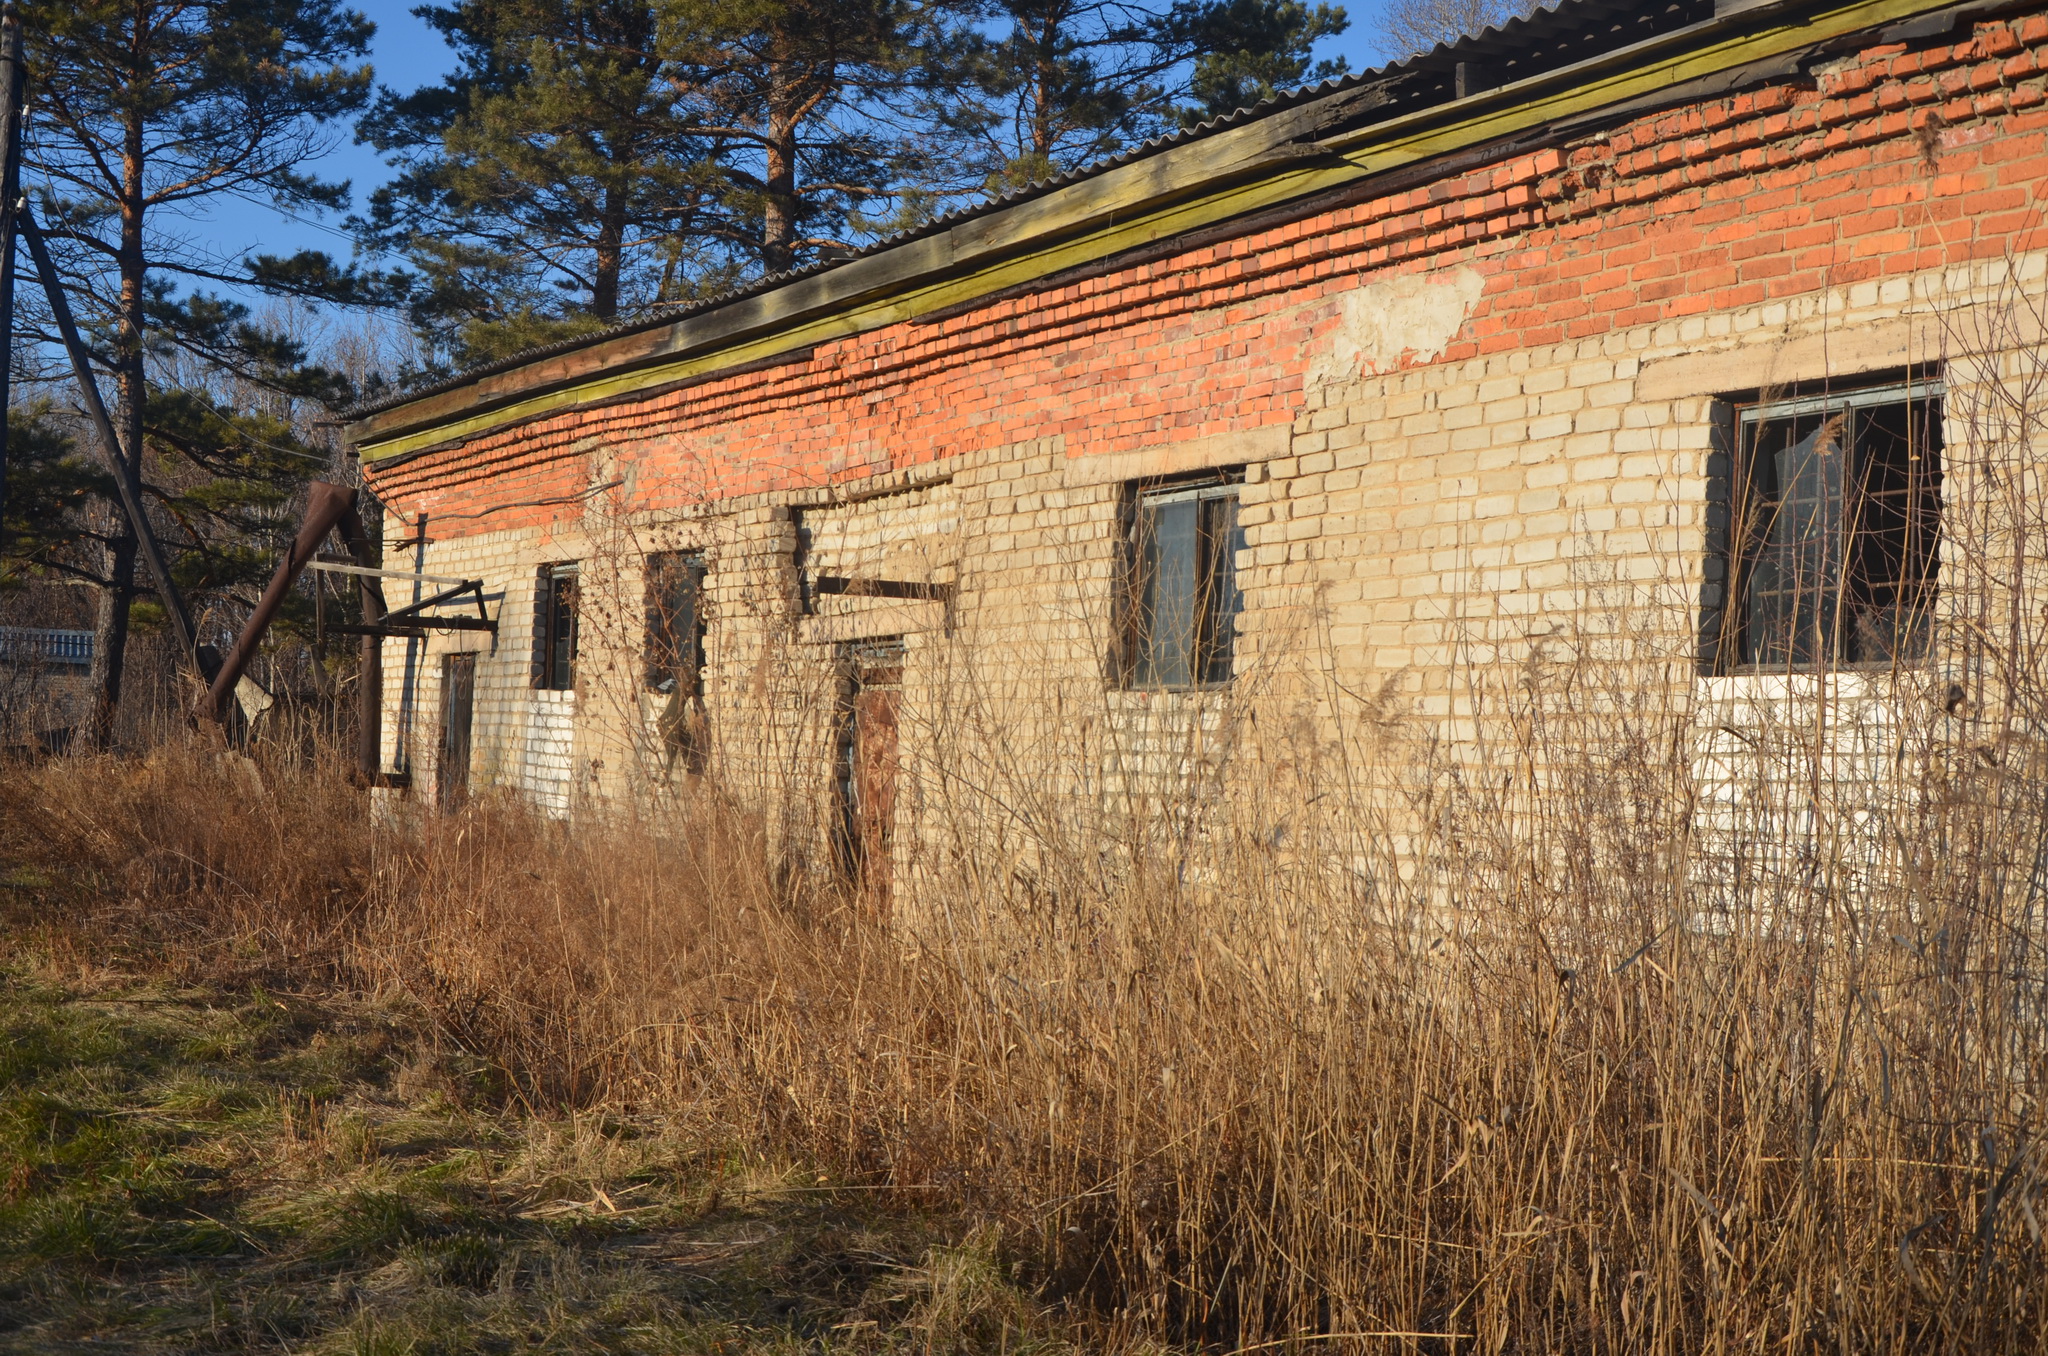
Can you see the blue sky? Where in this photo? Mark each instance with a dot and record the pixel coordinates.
(408, 54)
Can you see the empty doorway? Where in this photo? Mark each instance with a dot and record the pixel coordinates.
(870, 716)
(458, 707)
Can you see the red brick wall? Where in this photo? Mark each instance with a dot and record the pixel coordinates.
(1893, 161)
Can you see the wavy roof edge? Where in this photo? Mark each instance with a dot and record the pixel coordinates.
(1546, 18)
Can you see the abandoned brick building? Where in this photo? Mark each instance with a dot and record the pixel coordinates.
(1662, 291)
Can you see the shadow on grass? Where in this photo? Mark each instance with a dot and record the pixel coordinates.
(195, 1170)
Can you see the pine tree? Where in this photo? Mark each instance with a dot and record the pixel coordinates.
(1244, 51)
(1066, 82)
(554, 184)
(594, 158)
(1058, 87)
(145, 114)
(794, 93)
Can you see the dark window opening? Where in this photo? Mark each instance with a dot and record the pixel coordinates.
(675, 622)
(1834, 529)
(1183, 602)
(554, 630)
(675, 655)
(866, 758)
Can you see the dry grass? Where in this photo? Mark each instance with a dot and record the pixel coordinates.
(1559, 1036)
(199, 1168)
(1212, 1090)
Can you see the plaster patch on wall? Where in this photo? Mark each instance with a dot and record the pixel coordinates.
(1412, 317)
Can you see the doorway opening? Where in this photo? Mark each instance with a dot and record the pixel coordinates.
(870, 711)
(458, 707)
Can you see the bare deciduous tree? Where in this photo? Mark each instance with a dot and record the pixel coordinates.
(1407, 27)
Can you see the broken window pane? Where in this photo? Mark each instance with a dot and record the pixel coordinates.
(675, 623)
(554, 632)
(1184, 594)
(675, 655)
(1838, 518)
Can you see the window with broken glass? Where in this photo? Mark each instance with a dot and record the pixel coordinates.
(1183, 600)
(554, 629)
(675, 622)
(1833, 530)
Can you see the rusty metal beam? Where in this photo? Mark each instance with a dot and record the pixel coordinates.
(325, 505)
(394, 627)
(851, 587)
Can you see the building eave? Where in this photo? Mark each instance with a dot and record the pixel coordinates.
(1300, 149)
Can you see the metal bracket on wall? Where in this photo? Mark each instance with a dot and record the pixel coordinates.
(882, 588)
(835, 585)
(414, 619)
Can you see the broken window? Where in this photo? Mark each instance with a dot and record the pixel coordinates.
(1183, 603)
(675, 622)
(1834, 529)
(675, 655)
(554, 628)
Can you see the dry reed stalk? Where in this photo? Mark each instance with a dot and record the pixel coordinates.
(1222, 1097)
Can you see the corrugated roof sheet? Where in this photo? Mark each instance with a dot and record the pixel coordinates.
(1548, 38)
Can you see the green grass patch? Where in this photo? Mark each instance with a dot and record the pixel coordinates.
(198, 1171)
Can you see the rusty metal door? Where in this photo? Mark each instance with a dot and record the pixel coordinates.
(458, 706)
(869, 762)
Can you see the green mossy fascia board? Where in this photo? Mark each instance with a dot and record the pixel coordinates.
(1080, 225)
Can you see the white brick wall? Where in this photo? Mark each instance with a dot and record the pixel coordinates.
(1415, 524)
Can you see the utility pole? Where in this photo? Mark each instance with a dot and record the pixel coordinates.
(12, 88)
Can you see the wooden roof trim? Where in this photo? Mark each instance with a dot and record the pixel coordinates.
(1234, 173)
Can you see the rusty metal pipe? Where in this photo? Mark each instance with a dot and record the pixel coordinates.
(325, 504)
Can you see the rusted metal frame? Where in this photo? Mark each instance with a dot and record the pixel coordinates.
(325, 504)
(455, 590)
(410, 620)
(110, 445)
(410, 627)
(412, 617)
(415, 613)
(331, 564)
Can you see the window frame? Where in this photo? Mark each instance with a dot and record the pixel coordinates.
(1736, 508)
(1210, 662)
(550, 672)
